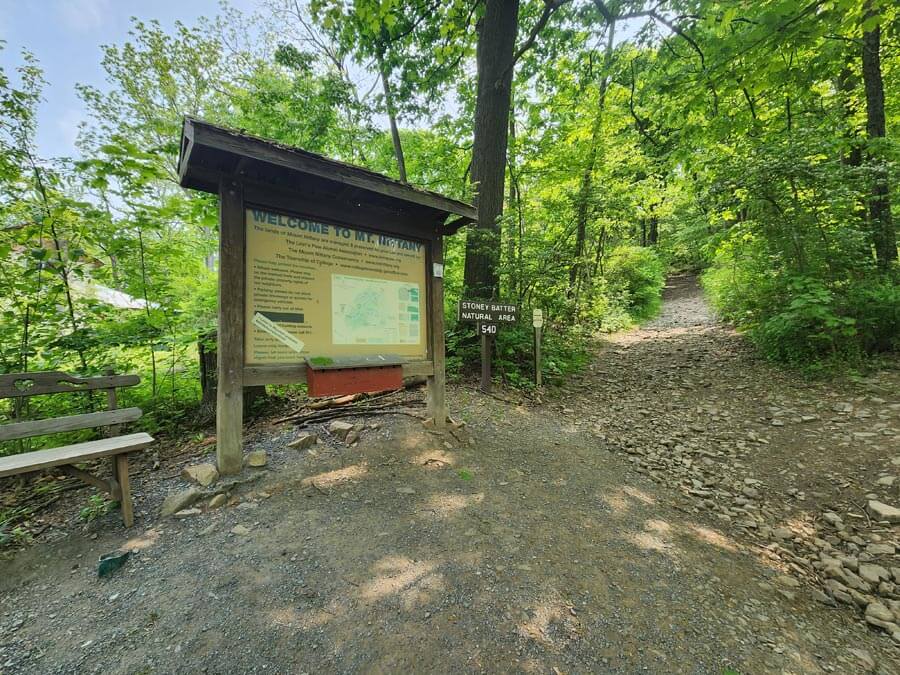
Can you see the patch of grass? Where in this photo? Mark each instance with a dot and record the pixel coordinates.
(321, 361)
(17, 536)
(465, 474)
(97, 506)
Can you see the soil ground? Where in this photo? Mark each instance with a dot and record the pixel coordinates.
(553, 535)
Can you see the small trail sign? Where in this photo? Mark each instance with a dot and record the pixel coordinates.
(537, 321)
(487, 315)
(483, 311)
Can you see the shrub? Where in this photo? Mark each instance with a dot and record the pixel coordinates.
(636, 276)
(605, 311)
(564, 350)
(874, 304)
(806, 326)
(804, 319)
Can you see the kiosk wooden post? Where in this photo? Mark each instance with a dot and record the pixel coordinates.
(437, 381)
(230, 391)
(278, 308)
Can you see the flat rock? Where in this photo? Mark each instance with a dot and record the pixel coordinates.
(303, 441)
(203, 474)
(882, 511)
(865, 658)
(873, 573)
(188, 513)
(240, 530)
(833, 519)
(878, 614)
(217, 501)
(788, 582)
(179, 501)
(406, 491)
(782, 533)
(880, 549)
(257, 458)
(340, 428)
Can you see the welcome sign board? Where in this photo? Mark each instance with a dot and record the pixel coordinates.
(317, 289)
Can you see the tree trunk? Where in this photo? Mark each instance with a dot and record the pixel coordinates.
(495, 51)
(587, 176)
(392, 118)
(512, 203)
(209, 374)
(884, 233)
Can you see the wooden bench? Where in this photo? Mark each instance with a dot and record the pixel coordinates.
(20, 385)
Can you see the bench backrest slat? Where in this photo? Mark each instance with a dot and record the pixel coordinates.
(15, 385)
(53, 425)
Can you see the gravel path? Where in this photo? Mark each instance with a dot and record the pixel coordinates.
(542, 538)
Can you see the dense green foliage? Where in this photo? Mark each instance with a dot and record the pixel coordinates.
(730, 138)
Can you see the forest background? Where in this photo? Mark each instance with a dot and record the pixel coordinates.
(605, 144)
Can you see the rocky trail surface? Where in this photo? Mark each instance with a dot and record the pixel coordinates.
(680, 507)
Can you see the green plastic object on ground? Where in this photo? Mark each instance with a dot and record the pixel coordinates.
(110, 562)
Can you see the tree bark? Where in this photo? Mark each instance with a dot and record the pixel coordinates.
(495, 51)
(884, 233)
(653, 233)
(587, 176)
(392, 118)
(513, 204)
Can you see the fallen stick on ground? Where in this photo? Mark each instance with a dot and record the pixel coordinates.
(340, 411)
(357, 412)
(340, 401)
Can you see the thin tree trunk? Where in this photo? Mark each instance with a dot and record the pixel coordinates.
(495, 52)
(512, 203)
(147, 310)
(392, 117)
(884, 233)
(587, 176)
(63, 270)
(846, 84)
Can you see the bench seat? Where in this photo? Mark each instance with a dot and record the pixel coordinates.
(73, 454)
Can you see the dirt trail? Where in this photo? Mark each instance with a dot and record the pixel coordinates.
(550, 537)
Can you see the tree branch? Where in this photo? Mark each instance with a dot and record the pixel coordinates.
(675, 28)
(550, 6)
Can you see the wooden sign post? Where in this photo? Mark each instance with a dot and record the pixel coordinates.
(322, 265)
(537, 322)
(487, 315)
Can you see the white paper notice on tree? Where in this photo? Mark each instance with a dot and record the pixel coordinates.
(276, 331)
(367, 311)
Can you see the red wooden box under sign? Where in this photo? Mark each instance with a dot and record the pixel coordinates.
(338, 381)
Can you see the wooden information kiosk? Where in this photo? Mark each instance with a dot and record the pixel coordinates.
(325, 269)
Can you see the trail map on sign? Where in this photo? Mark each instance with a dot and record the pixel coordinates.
(369, 311)
(323, 290)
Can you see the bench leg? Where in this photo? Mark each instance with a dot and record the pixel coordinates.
(125, 488)
(114, 490)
